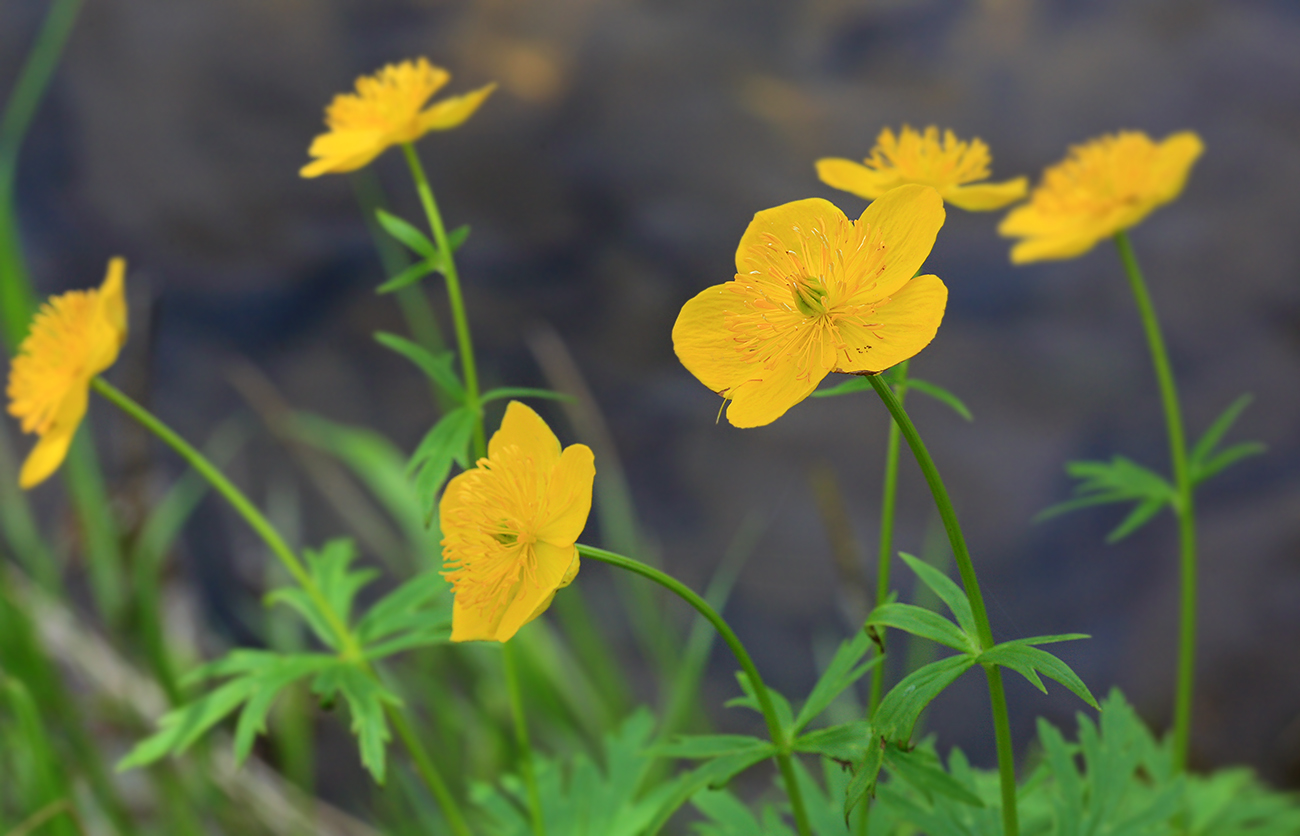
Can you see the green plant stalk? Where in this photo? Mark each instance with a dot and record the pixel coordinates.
(997, 695)
(351, 649)
(454, 297)
(778, 735)
(1185, 508)
(521, 737)
(885, 556)
(424, 765)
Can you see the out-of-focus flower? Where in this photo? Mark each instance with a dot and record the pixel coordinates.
(509, 527)
(952, 166)
(387, 109)
(815, 293)
(1105, 185)
(73, 337)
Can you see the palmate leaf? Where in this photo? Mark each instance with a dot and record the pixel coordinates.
(447, 442)
(845, 743)
(1119, 480)
(750, 700)
(922, 622)
(365, 698)
(582, 799)
(1204, 461)
(416, 614)
(923, 770)
(409, 276)
(897, 713)
(412, 238)
(859, 383)
(947, 590)
(331, 570)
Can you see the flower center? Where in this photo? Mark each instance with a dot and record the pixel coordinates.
(810, 295)
(52, 359)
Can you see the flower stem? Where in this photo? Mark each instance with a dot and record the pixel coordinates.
(454, 297)
(885, 557)
(349, 646)
(424, 765)
(1184, 508)
(521, 736)
(997, 696)
(779, 736)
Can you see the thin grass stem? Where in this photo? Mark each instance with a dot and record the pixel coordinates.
(522, 739)
(885, 555)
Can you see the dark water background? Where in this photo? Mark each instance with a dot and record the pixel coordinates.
(610, 179)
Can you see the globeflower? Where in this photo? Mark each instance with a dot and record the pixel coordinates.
(815, 293)
(509, 527)
(73, 337)
(953, 167)
(387, 110)
(1104, 186)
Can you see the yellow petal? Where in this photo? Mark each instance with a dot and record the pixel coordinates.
(790, 223)
(902, 327)
(1068, 244)
(451, 112)
(52, 447)
(569, 496)
(343, 151)
(109, 326)
(525, 429)
(755, 403)
(554, 565)
(983, 197)
(704, 344)
(908, 219)
(839, 173)
(1174, 163)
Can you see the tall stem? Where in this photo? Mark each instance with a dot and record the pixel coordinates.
(521, 737)
(884, 559)
(1184, 509)
(997, 696)
(456, 301)
(349, 647)
(779, 736)
(424, 765)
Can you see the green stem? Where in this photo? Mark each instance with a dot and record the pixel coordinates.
(997, 696)
(424, 765)
(1185, 508)
(348, 644)
(521, 737)
(885, 556)
(778, 735)
(454, 297)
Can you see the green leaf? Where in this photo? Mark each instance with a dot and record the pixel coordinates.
(525, 392)
(924, 771)
(848, 387)
(438, 367)
(447, 442)
(779, 703)
(864, 778)
(1225, 458)
(366, 699)
(1205, 446)
(947, 590)
(922, 622)
(286, 671)
(409, 276)
(423, 598)
(897, 713)
(942, 395)
(845, 742)
(1119, 480)
(841, 673)
(457, 237)
(697, 746)
(407, 234)
(330, 569)
(715, 773)
(1030, 661)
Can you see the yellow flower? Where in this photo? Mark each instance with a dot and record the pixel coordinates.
(509, 526)
(815, 293)
(73, 337)
(913, 157)
(1105, 185)
(386, 110)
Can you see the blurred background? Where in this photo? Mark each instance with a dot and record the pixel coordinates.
(606, 182)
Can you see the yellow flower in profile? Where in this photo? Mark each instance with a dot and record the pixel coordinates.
(509, 526)
(1104, 186)
(815, 293)
(387, 109)
(952, 166)
(73, 337)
